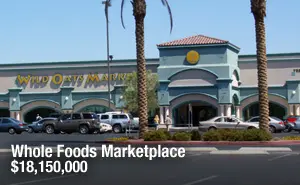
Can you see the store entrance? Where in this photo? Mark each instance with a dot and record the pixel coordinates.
(199, 112)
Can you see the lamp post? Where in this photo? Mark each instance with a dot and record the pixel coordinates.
(108, 81)
(109, 57)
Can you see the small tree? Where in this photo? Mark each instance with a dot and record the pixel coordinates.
(130, 92)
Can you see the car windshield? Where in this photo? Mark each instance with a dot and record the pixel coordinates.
(277, 119)
(130, 116)
(15, 120)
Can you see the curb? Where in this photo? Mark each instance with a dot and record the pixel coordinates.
(202, 143)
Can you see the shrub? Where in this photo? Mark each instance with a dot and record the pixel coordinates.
(195, 135)
(291, 138)
(230, 135)
(167, 133)
(118, 139)
(157, 135)
(181, 136)
(256, 135)
(212, 135)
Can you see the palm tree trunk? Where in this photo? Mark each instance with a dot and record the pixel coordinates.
(258, 8)
(139, 12)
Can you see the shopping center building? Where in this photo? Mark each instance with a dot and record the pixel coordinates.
(202, 74)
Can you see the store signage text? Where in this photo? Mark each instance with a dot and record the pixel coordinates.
(59, 79)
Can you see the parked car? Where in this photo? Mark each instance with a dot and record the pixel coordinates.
(12, 126)
(225, 122)
(275, 124)
(296, 123)
(290, 123)
(37, 126)
(104, 127)
(119, 121)
(83, 123)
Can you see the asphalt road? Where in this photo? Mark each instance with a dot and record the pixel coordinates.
(277, 169)
(40, 138)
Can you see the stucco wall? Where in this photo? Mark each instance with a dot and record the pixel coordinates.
(278, 72)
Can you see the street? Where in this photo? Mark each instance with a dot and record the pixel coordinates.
(194, 169)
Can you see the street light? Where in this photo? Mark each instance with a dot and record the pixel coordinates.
(109, 57)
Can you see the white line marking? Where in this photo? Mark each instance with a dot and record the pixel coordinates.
(268, 149)
(193, 155)
(200, 149)
(201, 180)
(279, 157)
(238, 152)
(42, 180)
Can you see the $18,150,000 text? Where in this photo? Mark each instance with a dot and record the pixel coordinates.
(48, 167)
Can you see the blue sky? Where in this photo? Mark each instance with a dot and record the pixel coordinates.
(74, 30)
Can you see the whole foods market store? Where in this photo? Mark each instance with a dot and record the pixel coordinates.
(203, 77)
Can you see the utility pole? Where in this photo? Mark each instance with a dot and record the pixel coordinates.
(107, 5)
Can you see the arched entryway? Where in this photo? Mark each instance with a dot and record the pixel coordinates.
(275, 110)
(95, 108)
(44, 112)
(193, 108)
(4, 112)
(4, 109)
(91, 104)
(277, 106)
(44, 108)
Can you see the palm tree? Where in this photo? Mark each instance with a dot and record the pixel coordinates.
(258, 9)
(139, 13)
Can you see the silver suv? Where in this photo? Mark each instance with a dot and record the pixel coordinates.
(119, 121)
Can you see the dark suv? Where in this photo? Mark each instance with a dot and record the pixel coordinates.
(83, 123)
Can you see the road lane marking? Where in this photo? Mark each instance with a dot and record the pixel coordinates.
(193, 155)
(268, 149)
(279, 157)
(43, 180)
(239, 152)
(201, 180)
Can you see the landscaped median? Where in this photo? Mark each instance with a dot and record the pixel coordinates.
(216, 137)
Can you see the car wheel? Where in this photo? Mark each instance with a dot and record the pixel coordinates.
(117, 129)
(11, 131)
(212, 128)
(83, 129)
(49, 129)
(30, 130)
(272, 129)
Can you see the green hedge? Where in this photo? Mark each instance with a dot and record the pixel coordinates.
(156, 135)
(195, 135)
(182, 136)
(237, 135)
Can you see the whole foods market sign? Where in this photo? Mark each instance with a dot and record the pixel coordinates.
(59, 79)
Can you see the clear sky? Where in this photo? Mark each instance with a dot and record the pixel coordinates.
(74, 30)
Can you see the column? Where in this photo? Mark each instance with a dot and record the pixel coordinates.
(221, 113)
(228, 110)
(18, 117)
(12, 115)
(238, 111)
(291, 109)
(297, 110)
(161, 112)
(167, 111)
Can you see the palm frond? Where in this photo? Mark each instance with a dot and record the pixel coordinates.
(122, 7)
(166, 4)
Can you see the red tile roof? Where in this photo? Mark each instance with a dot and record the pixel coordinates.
(194, 40)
